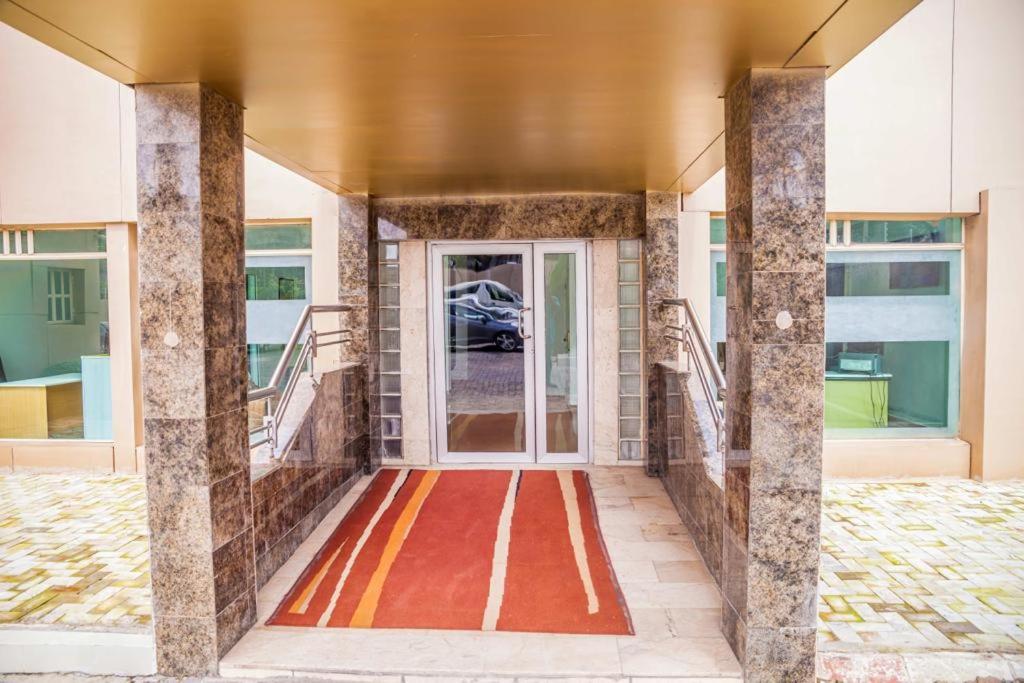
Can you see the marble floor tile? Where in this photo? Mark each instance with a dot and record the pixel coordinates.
(675, 615)
(682, 571)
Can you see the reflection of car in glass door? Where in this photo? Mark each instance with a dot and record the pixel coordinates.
(487, 295)
(469, 325)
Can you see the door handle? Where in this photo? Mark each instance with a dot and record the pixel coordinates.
(519, 323)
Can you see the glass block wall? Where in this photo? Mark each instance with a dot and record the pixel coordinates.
(631, 402)
(390, 350)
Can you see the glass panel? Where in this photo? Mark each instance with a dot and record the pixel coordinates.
(718, 233)
(629, 316)
(891, 278)
(54, 350)
(720, 278)
(390, 296)
(629, 406)
(266, 237)
(629, 450)
(886, 384)
(389, 274)
(484, 359)
(629, 295)
(391, 384)
(275, 283)
(629, 272)
(263, 360)
(389, 340)
(629, 362)
(560, 357)
(629, 385)
(946, 230)
(629, 429)
(390, 318)
(388, 251)
(629, 340)
(390, 361)
(66, 241)
(629, 250)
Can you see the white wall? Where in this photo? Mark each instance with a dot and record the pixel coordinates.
(61, 125)
(926, 117)
(67, 146)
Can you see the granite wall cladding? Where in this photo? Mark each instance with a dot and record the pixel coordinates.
(692, 467)
(661, 278)
(775, 212)
(290, 500)
(357, 287)
(192, 323)
(522, 217)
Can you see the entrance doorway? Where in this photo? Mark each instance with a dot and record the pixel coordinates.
(509, 345)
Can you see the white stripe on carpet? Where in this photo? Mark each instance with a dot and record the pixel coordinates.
(499, 562)
(579, 548)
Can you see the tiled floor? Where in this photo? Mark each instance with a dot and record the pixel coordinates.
(913, 567)
(74, 551)
(923, 566)
(672, 600)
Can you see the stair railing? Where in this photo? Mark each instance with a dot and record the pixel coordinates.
(307, 341)
(701, 361)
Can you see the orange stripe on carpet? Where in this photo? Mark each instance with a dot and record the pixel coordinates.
(350, 528)
(441, 578)
(435, 557)
(363, 616)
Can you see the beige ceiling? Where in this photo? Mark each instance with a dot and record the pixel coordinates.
(419, 97)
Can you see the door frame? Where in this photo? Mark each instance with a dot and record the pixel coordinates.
(579, 249)
(534, 375)
(438, 319)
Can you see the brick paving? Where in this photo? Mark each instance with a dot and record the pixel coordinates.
(74, 551)
(905, 566)
(922, 566)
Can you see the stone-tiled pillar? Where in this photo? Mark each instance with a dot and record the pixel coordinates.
(661, 278)
(775, 201)
(194, 376)
(354, 289)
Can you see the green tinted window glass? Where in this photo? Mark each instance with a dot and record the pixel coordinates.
(270, 237)
(718, 231)
(892, 278)
(720, 278)
(55, 341)
(69, 241)
(946, 230)
(277, 283)
(886, 384)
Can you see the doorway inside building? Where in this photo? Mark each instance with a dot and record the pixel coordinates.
(510, 353)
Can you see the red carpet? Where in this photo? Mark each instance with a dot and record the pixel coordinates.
(464, 549)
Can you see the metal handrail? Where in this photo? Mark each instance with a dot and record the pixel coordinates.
(308, 340)
(700, 357)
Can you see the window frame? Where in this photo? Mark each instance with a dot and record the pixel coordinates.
(839, 240)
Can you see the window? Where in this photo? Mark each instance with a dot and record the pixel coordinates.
(892, 326)
(278, 237)
(55, 338)
(275, 283)
(60, 304)
(278, 281)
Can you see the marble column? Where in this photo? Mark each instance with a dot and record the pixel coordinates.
(661, 278)
(194, 374)
(357, 273)
(775, 201)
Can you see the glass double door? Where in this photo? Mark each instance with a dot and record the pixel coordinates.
(510, 352)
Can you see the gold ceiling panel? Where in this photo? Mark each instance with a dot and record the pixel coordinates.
(453, 97)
